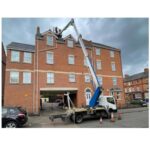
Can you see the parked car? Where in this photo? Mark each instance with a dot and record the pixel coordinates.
(145, 102)
(13, 117)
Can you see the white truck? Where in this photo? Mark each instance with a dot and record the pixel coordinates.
(99, 106)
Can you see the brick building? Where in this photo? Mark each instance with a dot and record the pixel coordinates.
(55, 66)
(3, 71)
(137, 86)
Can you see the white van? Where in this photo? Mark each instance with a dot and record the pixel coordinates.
(108, 102)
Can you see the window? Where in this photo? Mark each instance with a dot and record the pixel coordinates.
(27, 57)
(70, 59)
(111, 53)
(130, 90)
(98, 51)
(98, 65)
(50, 58)
(50, 77)
(15, 56)
(114, 79)
(85, 62)
(50, 40)
(110, 100)
(88, 96)
(118, 95)
(14, 77)
(113, 66)
(26, 77)
(87, 78)
(69, 43)
(100, 80)
(72, 78)
(129, 83)
(4, 111)
(138, 88)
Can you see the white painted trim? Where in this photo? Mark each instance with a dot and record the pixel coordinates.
(62, 72)
(59, 89)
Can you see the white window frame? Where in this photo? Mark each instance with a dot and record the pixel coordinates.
(12, 56)
(98, 51)
(71, 59)
(50, 78)
(87, 78)
(114, 79)
(72, 77)
(98, 64)
(25, 75)
(112, 54)
(51, 59)
(130, 90)
(100, 80)
(85, 62)
(17, 79)
(113, 66)
(50, 42)
(70, 43)
(27, 59)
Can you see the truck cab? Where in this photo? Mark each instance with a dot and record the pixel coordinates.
(108, 102)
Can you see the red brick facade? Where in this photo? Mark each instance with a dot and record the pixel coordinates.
(137, 86)
(28, 95)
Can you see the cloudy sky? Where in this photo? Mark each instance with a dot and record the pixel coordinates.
(128, 34)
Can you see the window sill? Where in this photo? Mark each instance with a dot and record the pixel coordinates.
(50, 64)
(27, 62)
(15, 61)
(14, 83)
(26, 83)
(50, 83)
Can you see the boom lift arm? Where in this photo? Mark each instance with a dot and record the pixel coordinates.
(98, 91)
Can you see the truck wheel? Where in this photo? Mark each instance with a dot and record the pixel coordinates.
(11, 124)
(78, 118)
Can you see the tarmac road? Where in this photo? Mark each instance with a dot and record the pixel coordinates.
(131, 118)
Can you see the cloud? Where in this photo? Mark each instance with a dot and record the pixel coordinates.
(128, 34)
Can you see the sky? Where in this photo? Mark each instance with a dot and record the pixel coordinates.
(128, 34)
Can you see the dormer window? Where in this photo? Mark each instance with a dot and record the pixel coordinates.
(70, 43)
(15, 56)
(50, 40)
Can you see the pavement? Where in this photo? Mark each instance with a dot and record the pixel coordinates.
(131, 118)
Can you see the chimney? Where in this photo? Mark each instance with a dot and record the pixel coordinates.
(37, 30)
(126, 75)
(146, 69)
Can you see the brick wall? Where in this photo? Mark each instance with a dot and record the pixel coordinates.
(29, 95)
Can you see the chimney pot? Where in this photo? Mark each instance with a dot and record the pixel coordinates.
(146, 69)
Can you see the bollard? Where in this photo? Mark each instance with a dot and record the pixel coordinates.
(119, 116)
(101, 120)
(112, 117)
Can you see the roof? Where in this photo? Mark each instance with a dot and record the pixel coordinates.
(87, 43)
(21, 47)
(137, 76)
(104, 46)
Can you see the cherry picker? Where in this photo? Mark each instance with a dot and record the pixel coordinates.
(98, 106)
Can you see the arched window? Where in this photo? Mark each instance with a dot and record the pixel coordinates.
(88, 96)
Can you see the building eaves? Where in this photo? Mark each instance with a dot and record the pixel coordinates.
(104, 46)
(21, 47)
(137, 76)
